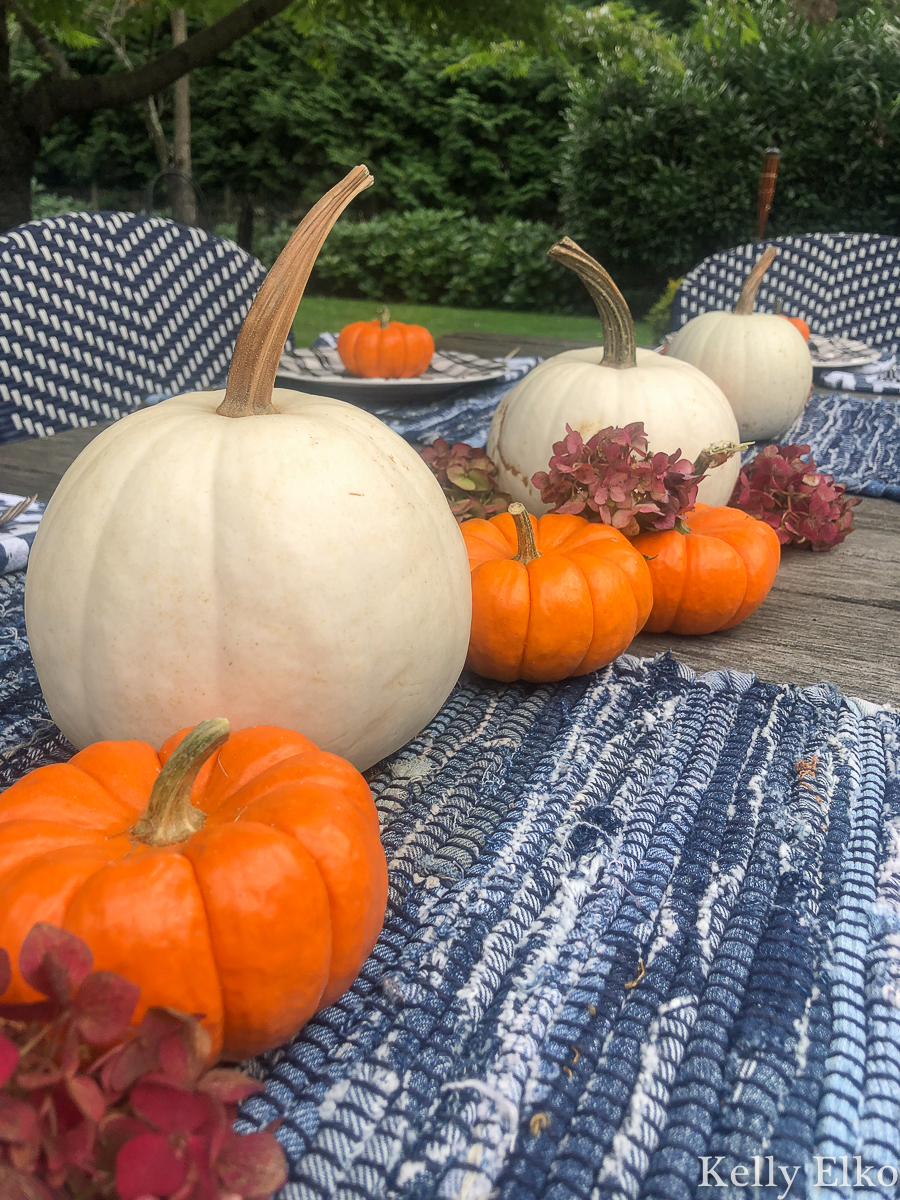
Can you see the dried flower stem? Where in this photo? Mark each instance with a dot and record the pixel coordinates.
(527, 551)
(169, 817)
(260, 342)
(619, 341)
(747, 298)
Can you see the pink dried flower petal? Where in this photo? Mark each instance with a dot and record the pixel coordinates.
(171, 1110)
(54, 962)
(252, 1164)
(16, 1185)
(9, 1058)
(148, 1166)
(103, 1007)
(87, 1096)
(18, 1119)
(229, 1087)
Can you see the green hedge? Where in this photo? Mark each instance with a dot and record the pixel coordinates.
(659, 174)
(440, 257)
(282, 117)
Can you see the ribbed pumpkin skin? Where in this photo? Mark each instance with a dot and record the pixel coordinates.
(679, 407)
(570, 611)
(301, 569)
(713, 577)
(760, 361)
(260, 919)
(396, 351)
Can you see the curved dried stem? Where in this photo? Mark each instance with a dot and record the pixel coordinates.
(527, 549)
(747, 298)
(169, 817)
(268, 323)
(619, 342)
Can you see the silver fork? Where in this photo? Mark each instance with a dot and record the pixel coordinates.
(15, 510)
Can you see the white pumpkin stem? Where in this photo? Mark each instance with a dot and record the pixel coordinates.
(169, 817)
(747, 298)
(619, 341)
(527, 551)
(260, 342)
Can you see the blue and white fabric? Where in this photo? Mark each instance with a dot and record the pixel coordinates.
(636, 920)
(881, 377)
(98, 310)
(16, 537)
(839, 283)
(854, 438)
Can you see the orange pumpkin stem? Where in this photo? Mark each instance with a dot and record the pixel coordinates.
(169, 817)
(528, 550)
(619, 340)
(260, 342)
(747, 298)
(384, 314)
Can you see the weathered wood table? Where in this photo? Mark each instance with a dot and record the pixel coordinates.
(833, 616)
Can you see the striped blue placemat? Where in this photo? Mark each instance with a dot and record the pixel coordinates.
(642, 925)
(637, 921)
(17, 536)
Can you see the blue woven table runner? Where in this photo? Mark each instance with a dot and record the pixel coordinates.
(636, 920)
(856, 439)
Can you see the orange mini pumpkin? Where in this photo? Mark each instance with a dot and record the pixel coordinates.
(713, 577)
(256, 907)
(385, 349)
(553, 597)
(799, 324)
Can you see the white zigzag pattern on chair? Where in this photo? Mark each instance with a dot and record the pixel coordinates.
(98, 310)
(840, 283)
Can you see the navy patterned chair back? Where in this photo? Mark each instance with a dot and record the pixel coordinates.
(99, 310)
(845, 284)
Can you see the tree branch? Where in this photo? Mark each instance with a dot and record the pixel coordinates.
(51, 98)
(49, 53)
(148, 104)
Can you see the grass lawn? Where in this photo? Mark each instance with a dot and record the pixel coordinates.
(318, 315)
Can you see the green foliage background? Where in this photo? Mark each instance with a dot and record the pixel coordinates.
(644, 144)
(661, 173)
(281, 117)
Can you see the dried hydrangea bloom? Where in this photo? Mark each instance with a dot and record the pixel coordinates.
(804, 506)
(93, 1107)
(613, 478)
(468, 479)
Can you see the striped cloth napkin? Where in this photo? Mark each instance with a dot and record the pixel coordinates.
(17, 536)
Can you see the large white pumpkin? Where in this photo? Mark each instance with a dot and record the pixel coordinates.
(759, 360)
(299, 567)
(614, 384)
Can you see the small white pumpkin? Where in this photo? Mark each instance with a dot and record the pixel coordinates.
(297, 566)
(759, 360)
(613, 384)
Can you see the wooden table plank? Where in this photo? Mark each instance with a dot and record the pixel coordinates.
(496, 345)
(36, 465)
(833, 616)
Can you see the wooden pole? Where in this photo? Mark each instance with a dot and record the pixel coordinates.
(184, 204)
(766, 189)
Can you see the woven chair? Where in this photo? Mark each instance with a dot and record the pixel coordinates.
(100, 310)
(844, 284)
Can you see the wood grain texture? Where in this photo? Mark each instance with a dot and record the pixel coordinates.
(36, 465)
(830, 617)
